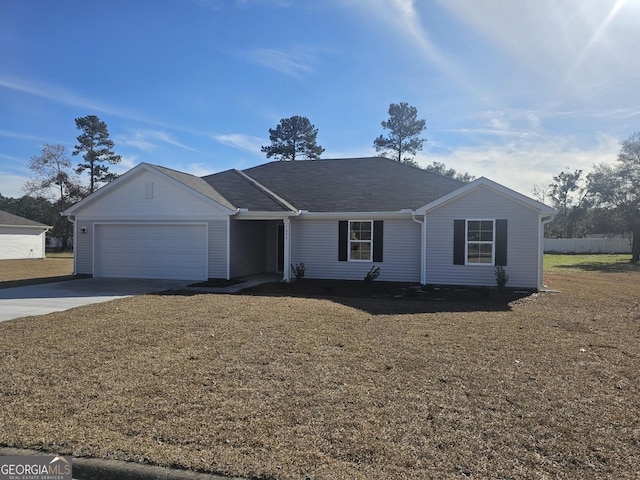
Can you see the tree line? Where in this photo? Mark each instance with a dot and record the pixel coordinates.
(603, 201)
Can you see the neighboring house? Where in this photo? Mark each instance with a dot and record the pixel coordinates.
(20, 237)
(338, 217)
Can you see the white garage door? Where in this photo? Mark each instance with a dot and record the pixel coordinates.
(151, 251)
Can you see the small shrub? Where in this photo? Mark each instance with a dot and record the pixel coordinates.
(298, 271)
(372, 274)
(501, 277)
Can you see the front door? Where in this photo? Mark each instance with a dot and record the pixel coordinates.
(280, 248)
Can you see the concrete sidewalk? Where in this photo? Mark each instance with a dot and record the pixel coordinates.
(46, 298)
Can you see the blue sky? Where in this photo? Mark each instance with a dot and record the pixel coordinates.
(512, 90)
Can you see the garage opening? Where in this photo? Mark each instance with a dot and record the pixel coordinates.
(167, 251)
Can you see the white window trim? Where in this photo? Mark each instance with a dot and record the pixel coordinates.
(349, 241)
(467, 241)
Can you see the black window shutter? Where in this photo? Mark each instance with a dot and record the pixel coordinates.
(343, 240)
(459, 240)
(501, 242)
(378, 234)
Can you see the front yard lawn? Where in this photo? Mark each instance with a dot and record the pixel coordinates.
(14, 273)
(589, 263)
(290, 388)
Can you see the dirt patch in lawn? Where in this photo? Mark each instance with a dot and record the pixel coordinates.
(283, 387)
(15, 273)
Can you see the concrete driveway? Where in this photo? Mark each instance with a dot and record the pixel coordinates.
(59, 296)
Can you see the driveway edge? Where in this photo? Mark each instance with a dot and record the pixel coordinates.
(85, 468)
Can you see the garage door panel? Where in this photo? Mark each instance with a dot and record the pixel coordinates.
(151, 251)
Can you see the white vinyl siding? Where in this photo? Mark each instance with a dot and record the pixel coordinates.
(315, 242)
(17, 243)
(83, 245)
(482, 203)
(129, 201)
(148, 198)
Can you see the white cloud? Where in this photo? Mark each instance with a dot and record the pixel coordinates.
(146, 140)
(406, 22)
(198, 169)
(564, 48)
(26, 136)
(11, 185)
(62, 96)
(522, 163)
(293, 63)
(241, 141)
(13, 159)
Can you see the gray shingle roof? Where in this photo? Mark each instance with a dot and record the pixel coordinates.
(243, 193)
(9, 219)
(340, 185)
(197, 184)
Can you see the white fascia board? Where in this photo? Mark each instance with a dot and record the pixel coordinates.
(35, 227)
(244, 214)
(354, 215)
(496, 187)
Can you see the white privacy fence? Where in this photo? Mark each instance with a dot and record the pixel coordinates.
(587, 245)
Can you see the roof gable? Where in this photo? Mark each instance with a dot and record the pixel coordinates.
(195, 185)
(484, 182)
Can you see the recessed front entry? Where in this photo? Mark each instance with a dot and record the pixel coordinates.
(280, 248)
(151, 251)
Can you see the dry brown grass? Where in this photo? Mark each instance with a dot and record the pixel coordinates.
(20, 272)
(289, 388)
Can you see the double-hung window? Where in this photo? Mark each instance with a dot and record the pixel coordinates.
(480, 241)
(360, 240)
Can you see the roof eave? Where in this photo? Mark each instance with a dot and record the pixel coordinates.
(39, 227)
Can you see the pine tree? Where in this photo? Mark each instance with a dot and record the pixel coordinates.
(97, 148)
(293, 137)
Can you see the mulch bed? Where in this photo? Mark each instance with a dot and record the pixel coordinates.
(295, 387)
(386, 290)
(216, 283)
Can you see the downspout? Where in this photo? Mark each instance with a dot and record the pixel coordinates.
(229, 245)
(44, 242)
(543, 222)
(75, 245)
(287, 249)
(423, 246)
